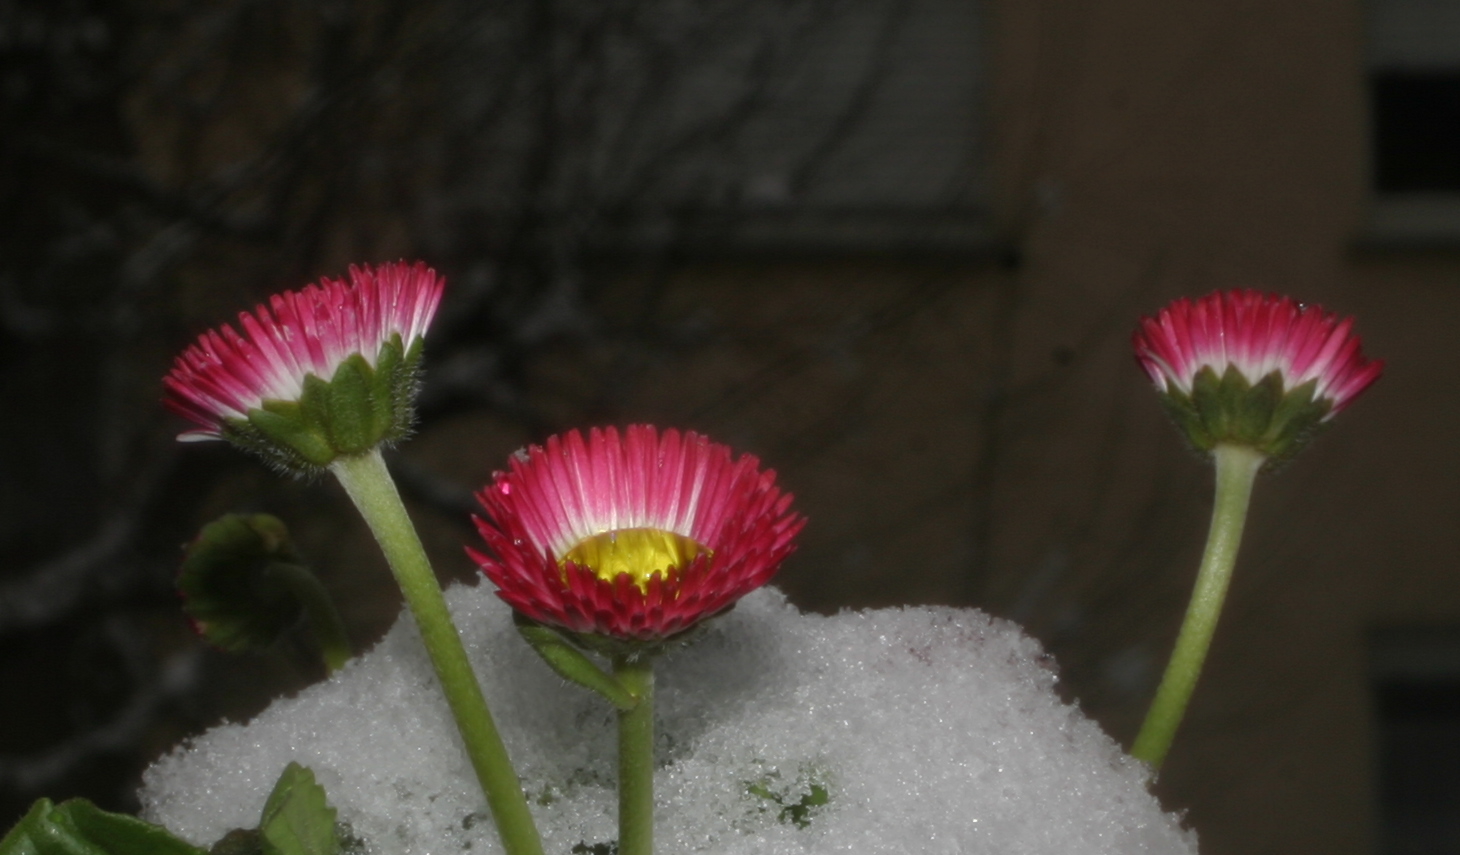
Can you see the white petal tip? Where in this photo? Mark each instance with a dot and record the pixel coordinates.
(198, 436)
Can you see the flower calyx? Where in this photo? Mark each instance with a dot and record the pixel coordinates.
(359, 408)
(1276, 422)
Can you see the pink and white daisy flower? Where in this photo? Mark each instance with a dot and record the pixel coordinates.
(1257, 334)
(224, 381)
(1247, 367)
(634, 536)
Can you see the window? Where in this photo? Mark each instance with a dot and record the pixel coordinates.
(742, 124)
(1414, 100)
(1416, 683)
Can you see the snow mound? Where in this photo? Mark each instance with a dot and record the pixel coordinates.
(924, 730)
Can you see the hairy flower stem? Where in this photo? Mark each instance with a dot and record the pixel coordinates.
(369, 485)
(636, 757)
(1237, 467)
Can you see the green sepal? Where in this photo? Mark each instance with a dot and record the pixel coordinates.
(1297, 420)
(1277, 422)
(1253, 406)
(397, 381)
(572, 664)
(314, 405)
(403, 378)
(78, 827)
(1188, 420)
(359, 408)
(353, 425)
(244, 434)
(294, 430)
(1210, 409)
(637, 648)
(297, 818)
(386, 407)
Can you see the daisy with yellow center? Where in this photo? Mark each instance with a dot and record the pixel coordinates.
(636, 535)
(620, 542)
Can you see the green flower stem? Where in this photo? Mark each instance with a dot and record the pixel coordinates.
(324, 618)
(1237, 467)
(636, 757)
(369, 485)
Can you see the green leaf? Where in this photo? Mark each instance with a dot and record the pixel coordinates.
(297, 818)
(574, 665)
(119, 834)
(78, 827)
(239, 841)
(797, 801)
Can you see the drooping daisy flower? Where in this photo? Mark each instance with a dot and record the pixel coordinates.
(1252, 369)
(244, 585)
(230, 592)
(326, 371)
(634, 536)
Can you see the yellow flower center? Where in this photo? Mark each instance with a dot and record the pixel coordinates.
(639, 552)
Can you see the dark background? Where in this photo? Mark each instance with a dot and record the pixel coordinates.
(893, 247)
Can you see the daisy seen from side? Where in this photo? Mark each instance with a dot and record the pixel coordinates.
(328, 370)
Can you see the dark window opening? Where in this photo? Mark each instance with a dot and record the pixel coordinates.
(1419, 767)
(1415, 675)
(1416, 130)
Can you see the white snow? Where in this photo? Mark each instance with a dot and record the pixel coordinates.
(932, 730)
